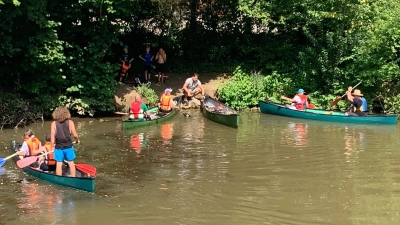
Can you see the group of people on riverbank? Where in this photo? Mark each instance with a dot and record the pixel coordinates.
(58, 148)
(148, 57)
(359, 106)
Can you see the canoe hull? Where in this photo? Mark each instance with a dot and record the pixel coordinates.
(231, 120)
(82, 181)
(130, 124)
(323, 115)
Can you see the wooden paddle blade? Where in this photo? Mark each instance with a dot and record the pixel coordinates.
(336, 101)
(91, 170)
(26, 161)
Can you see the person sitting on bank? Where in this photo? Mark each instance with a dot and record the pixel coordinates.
(138, 110)
(299, 101)
(356, 108)
(192, 87)
(166, 104)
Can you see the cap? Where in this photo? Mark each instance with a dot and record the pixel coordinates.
(168, 90)
(125, 46)
(300, 90)
(48, 137)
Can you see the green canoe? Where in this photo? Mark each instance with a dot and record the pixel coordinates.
(218, 112)
(81, 181)
(323, 115)
(156, 117)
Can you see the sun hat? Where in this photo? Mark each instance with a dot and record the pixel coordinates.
(357, 92)
(168, 90)
(300, 90)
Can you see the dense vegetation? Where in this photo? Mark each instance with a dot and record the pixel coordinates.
(66, 52)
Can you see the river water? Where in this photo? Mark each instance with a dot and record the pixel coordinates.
(271, 170)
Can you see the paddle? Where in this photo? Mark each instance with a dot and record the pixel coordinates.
(3, 160)
(340, 98)
(91, 170)
(121, 113)
(29, 160)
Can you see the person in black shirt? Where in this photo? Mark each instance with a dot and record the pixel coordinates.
(356, 106)
(126, 58)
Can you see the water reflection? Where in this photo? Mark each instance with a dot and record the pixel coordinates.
(42, 203)
(167, 131)
(295, 135)
(354, 142)
(3, 171)
(138, 141)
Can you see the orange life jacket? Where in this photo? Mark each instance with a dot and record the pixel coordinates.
(303, 103)
(136, 109)
(50, 156)
(33, 144)
(124, 68)
(165, 100)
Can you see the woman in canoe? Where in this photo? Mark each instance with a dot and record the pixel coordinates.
(299, 101)
(166, 104)
(61, 129)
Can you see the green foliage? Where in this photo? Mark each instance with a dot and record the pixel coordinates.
(149, 94)
(243, 90)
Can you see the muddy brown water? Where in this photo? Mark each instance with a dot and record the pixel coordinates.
(271, 170)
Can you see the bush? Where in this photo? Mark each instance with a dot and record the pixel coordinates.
(245, 90)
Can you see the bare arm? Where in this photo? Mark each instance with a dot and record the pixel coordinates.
(349, 96)
(73, 131)
(53, 134)
(140, 56)
(288, 99)
(185, 87)
(202, 89)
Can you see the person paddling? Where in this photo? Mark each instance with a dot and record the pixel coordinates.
(299, 101)
(356, 108)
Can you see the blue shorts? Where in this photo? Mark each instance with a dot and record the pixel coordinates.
(67, 154)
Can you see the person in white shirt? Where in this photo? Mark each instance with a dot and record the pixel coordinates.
(192, 87)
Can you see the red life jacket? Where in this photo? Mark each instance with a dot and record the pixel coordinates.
(136, 109)
(165, 99)
(302, 105)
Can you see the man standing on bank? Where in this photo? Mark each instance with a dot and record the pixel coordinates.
(161, 59)
(147, 57)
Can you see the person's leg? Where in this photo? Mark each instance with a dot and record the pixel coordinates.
(59, 168)
(72, 169)
(70, 156)
(162, 78)
(59, 158)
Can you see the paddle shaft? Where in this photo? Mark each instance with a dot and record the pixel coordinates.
(353, 88)
(340, 98)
